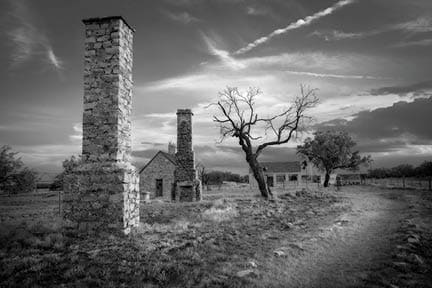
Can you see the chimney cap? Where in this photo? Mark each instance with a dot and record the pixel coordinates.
(184, 111)
(106, 19)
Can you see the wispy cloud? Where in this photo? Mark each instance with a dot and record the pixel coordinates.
(421, 24)
(417, 89)
(422, 42)
(312, 64)
(54, 60)
(76, 137)
(256, 11)
(223, 55)
(336, 35)
(295, 25)
(183, 17)
(28, 40)
(338, 76)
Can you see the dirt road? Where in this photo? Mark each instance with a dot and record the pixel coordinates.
(357, 250)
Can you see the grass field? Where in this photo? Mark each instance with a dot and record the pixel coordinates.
(232, 238)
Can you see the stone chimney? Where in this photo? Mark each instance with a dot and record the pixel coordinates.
(185, 155)
(107, 90)
(171, 148)
(187, 184)
(103, 193)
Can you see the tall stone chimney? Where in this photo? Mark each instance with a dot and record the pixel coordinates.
(188, 187)
(103, 192)
(171, 148)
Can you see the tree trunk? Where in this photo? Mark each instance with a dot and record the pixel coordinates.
(430, 183)
(327, 179)
(259, 176)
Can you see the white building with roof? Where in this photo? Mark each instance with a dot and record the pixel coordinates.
(293, 174)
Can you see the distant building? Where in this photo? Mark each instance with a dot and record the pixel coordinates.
(292, 174)
(349, 177)
(282, 174)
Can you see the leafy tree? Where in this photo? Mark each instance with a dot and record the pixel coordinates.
(425, 170)
(331, 150)
(24, 181)
(68, 166)
(14, 177)
(379, 173)
(403, 170)
(9, 165)
(239, 119)
(215, 177)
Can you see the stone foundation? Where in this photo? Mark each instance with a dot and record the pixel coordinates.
(101, 198)
(188, 191)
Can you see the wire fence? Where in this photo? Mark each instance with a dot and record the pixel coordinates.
(403, 183)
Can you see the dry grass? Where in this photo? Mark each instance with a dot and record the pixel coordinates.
(221, 210)
(227, 240)
(177, 244)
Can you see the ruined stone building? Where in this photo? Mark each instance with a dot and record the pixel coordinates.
(171, 175)
(157, 176)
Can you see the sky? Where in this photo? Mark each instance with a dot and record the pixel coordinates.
(371, 61)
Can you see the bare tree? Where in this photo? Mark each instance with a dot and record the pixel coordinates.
(202, 174)
(239, 119)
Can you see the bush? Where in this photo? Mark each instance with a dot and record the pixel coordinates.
(14, 177)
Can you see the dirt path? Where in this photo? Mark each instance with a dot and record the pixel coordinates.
(344, 253)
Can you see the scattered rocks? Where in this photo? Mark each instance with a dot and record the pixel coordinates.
(252, 264)
(416, 259)
(402, 266)
(279, 253)
(245, 273)
(413, 240)
(297, 246)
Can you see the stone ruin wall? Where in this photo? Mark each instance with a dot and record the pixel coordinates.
(103, 193)
(159, 168)
(187, 186)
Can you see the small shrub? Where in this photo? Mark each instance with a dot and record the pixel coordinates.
(221, 210)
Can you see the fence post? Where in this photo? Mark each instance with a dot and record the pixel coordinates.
(59, 203)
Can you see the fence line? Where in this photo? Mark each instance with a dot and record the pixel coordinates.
(404, 183)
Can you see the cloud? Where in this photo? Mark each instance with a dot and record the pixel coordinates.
(392, 135)
(336, 35)
(53, 59)
(28, 41)
(396, 122)
(422, 42)
(420, 25)
(223, 55)
(183, 17)
(313, 64)
(76, 137)
(418, 89)
(295, 25)
(256, 11)
(338, 76)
